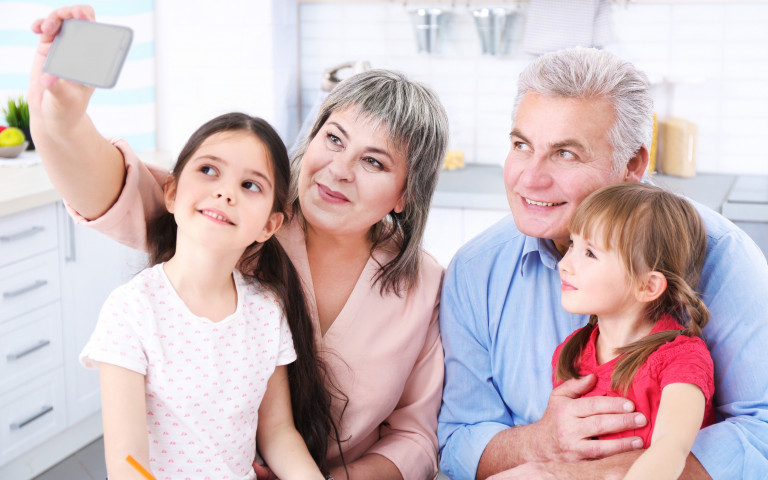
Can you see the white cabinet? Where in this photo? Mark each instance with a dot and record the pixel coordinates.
(30, 332)
(92, 266)
(450, 228)
(54, 277)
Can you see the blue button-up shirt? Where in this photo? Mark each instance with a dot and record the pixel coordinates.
(501, 319)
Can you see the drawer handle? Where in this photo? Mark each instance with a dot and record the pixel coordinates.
(23, 423)
(15, 356)
(22, 290)
(20, 235)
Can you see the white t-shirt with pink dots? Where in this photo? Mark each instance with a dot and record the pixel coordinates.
(204, 380)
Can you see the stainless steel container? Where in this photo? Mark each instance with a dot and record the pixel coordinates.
(493, 28)
(427, 23)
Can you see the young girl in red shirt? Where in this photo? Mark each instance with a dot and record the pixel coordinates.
(635, 258)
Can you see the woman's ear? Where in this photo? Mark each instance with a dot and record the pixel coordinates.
(169, 192)
(400, 205)
(652, 286)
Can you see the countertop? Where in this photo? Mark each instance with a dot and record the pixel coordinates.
(24, 187)
(27, 186)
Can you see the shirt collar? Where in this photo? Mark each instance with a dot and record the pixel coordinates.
(541, 249)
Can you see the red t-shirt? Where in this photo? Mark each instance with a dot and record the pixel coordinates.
(683, 360)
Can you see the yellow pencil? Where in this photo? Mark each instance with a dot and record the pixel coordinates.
(143, 471)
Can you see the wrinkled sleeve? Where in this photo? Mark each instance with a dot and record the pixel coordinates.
(408, 437)
(140, 201)
(735, 288)
(473, 411)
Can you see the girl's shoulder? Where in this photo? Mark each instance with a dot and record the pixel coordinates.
(682, 351)
(146, 284)
(253, 290)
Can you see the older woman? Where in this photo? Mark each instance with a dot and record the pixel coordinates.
(363, 181)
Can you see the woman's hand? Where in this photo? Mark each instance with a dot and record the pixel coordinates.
(86, 169)
(57, 103)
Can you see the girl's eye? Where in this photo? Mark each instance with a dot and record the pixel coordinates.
(255, 187)
(208, 170)
(590, 254)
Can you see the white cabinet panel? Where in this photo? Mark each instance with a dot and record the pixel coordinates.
(28, 284)
(31, 413)
(30, 345)
(450, 228)
(25, 234)
(444, 233)
(476, 221)
(93, 265)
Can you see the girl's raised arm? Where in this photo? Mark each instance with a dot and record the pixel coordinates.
(123, 410)
(83, 166)
(681, 412)
(277, 439)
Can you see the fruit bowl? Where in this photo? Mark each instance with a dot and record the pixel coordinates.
(14, 151)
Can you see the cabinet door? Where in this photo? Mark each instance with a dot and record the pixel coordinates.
(92, 266)
(444, 233)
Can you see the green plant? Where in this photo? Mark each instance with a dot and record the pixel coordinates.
(17, 112)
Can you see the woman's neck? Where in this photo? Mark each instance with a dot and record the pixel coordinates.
(203, 279)
(336, 245)
(615, 332)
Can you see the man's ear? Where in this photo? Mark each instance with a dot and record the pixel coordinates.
(273, 224)
(653, 285)
(635, 168)
(169, 193)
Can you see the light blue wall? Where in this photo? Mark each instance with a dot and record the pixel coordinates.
(127, 110)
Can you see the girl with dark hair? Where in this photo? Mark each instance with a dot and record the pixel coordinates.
(192, 352)
(635, 258)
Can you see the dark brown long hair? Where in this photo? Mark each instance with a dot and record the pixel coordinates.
(653, 230)
(268, 264)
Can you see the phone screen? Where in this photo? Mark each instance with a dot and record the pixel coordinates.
(90, 53)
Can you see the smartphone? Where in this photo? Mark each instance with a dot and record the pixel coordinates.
(90, 53)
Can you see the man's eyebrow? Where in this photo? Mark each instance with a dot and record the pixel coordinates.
(570, 142)
(517, 133)
(567, 143)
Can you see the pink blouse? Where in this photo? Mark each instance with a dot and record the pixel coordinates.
(384, 351)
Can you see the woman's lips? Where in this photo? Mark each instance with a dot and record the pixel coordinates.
(331, 196)
(566, 286)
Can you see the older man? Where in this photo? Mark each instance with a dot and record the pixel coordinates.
(582, 121)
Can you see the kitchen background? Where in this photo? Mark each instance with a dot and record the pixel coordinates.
(191, 60)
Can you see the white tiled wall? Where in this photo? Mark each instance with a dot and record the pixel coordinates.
(237, 55)
(716, 55)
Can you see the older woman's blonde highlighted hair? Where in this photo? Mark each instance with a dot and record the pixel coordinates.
(652, 230)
